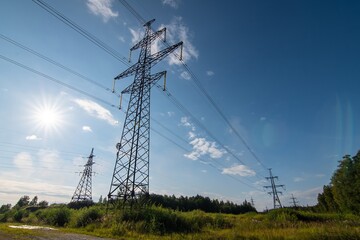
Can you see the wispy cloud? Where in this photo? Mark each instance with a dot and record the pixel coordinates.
(23, 160)
(200, 146)
(210, 73)
(178, 31)
(136, 35)
(49, 158)
(96, 110)
(240, 170)
(203, 147)
(32, 137)
(185, 75)
(44, 190)
(298, 179)
(102, 8)
(86, 129)
(121, 38)
(185, 121)
(171, 3)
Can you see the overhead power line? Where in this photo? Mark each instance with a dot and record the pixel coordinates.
(204, 92)
(81, 31)
(55, 80)
(115, 54)
(32, 51)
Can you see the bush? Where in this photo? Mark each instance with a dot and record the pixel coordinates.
(3, 217)
(153, 220)
(283, 215)
(87, 216)
(55, 216)
(18, 215)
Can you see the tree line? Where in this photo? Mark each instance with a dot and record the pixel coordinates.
(198, 202)
(343, 192)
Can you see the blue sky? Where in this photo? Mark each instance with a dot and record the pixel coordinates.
(284, 73)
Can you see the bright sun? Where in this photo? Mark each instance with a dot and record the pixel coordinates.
(47, 117)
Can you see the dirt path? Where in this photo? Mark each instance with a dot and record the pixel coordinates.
(44, 234)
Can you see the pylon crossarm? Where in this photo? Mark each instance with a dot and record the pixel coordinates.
(128, 72)
(148, 40)
(157, 57)
(136, 87)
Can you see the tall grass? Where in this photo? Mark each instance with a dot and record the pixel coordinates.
(153, 222)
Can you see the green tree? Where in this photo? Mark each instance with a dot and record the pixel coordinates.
(346, 184)
(5, 208)
(43, 204)
(326, 201)
(23, 201)
(33, 201)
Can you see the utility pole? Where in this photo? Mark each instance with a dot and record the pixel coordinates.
(274, 192)
(83, 191)
(294, 201)
(130, 178)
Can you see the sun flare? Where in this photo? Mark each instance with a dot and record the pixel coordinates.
(47, 117)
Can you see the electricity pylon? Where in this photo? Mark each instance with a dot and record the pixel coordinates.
(131, 172)
(274, 192)
(83, 191)
(294, 201)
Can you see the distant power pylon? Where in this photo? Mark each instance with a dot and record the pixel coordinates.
(131, 172)
(274, 192)
(294, 201)
(83, 191)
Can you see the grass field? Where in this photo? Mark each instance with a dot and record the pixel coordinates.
(159, 223)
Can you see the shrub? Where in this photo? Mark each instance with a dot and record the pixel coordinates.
(283, 215)
(18, 215)
(87, 216)
(56, 216)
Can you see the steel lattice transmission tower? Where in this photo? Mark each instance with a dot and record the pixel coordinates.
(294, 201)
(274, 192)
(83, 191)
(131, 172)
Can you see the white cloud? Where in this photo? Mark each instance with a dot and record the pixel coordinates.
(185, 75)
(203, 147)
(171, 3)
(49, 158)
(262, 118)
(96, 110)
(44, 190)
(23, 160)
(240, 170)
(86, 129)
(320, 175)
(121, 38)
(170, 114)
(136, 35)
(192, 135)
(102, 8)
(32, 137)
(210, 73)
(178, 31)
(298, 179)
(185, 121)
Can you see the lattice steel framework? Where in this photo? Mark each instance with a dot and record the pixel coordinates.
(274, 192)
(83, 191)
(131, 172)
